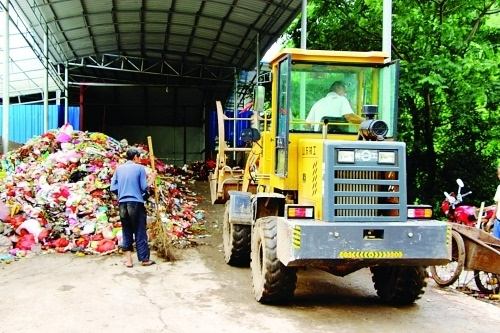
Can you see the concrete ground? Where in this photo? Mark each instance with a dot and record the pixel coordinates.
(200, 293)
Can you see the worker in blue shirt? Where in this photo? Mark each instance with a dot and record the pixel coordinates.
(129, 182)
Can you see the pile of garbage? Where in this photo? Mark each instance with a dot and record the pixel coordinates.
(54, 196)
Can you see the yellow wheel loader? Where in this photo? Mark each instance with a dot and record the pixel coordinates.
(326, 192)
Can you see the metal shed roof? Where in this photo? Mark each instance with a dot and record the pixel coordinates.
(212, 32)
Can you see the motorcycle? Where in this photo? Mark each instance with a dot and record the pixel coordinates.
(456, 211)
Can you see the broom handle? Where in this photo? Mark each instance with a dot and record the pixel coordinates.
(152, 161)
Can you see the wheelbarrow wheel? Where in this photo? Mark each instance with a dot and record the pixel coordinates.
(487, 283)
(446, 275)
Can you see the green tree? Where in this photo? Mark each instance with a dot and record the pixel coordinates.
(449, 82)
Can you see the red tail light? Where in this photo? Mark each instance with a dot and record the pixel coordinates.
(419, 212)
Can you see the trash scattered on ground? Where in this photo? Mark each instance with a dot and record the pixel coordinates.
(54, 196)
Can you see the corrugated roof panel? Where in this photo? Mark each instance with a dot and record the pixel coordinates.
(215, 9)
(199, 50)
(83, 44)
(105, 40)
(224, 49)
(203, 43)
(156, 16)
(187, 6)
(235, 28)
(159, 5)
(67, 8)
(243, 16)
(180, 29)
(155, 27)
(177, 39)
(257, 5)
(109, 48)
(130, 38)
(102, 30)
(176, 47)
(209, 22)
(75, 35)
(132, 26)
(153, 39)
(182, 19)
(127, 4)
(154, 44)
(206, 33)
(73, 23)
(101, 18)
(93, 6)
(127, 17)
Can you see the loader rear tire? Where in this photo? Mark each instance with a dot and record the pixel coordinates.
(236, 242)
(399, 285)
(272, 281)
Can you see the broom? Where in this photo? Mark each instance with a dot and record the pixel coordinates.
(159, 236)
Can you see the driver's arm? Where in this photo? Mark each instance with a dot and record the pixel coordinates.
(353, 118)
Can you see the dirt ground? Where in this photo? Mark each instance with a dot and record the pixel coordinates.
(200, 293)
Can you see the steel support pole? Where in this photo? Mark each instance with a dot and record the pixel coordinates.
(255, 114)
(66, 94)
(5, 95)
(303, 26)
(387, 28)
(45, 80)
(303, 45)
(257, 69)
(235, 113)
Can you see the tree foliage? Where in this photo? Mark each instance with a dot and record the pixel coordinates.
(449, 112)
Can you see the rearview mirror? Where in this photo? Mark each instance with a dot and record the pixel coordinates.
(460, 182)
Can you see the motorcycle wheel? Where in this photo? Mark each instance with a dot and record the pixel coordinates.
(487, 283)
(446, 275)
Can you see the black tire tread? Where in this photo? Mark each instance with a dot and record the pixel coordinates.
(238, 251)
(279, 281)
(399, 285)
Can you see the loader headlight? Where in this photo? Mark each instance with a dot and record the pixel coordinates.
(345, 156)
(387, 157)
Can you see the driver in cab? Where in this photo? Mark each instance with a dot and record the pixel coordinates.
(334, 104)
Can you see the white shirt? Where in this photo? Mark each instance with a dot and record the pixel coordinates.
(497, 200)
(332, 105)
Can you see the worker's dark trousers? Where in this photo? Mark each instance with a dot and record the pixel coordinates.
(133, 218)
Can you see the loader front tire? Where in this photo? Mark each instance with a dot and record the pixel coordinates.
(399, 285)
(236, 242)
(272, 281)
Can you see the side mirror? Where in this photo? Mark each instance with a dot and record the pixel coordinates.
(460, 182)
(250, 135)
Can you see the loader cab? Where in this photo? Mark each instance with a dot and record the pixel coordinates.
(304, 77)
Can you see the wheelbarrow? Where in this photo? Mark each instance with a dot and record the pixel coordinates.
(473, 250)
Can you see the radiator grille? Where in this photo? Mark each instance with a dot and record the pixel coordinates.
(357, 188)
(362, 184)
